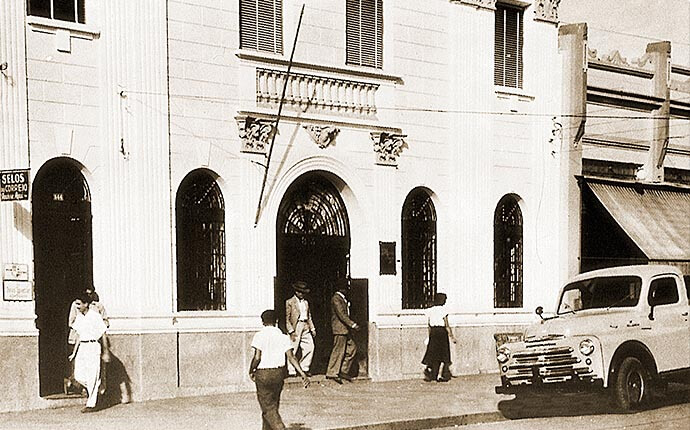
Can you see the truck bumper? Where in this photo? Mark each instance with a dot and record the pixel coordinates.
(572, 386)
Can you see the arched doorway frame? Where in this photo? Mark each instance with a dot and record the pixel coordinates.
(337, 175)
(52, 348)
(351, 191)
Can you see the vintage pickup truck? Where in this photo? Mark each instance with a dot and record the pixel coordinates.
(624, 329)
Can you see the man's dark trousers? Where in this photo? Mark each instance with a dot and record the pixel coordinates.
(342, 355)
(269, 385)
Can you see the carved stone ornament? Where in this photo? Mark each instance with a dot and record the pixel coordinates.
(487, 4)
(592, 54)
(616, 59)
(323, 135)
(547, 10)
(388, 147)
(643, 61)
(255, 134)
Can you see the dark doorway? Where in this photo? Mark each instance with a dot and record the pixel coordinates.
(603, 241)
(63, 264)
(313, 245)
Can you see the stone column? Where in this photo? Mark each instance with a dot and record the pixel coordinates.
(572, 41)
(653, 170)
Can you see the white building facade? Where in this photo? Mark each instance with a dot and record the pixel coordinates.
(416, 152)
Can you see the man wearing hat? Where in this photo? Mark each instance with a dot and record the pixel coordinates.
(300, 326)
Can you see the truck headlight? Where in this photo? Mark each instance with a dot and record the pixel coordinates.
(503, 354)
(586, 347)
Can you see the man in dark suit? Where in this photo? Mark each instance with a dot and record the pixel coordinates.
(344, 348)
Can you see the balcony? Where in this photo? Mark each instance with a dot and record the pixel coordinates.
(316, 93)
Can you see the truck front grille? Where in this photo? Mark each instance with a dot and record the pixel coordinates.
(546, 364)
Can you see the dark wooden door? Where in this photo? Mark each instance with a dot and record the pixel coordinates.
(62, 263)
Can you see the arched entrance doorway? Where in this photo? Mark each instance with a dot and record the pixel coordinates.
(313, 244)
(63, 263)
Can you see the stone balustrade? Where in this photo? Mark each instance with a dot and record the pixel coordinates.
(316, 93)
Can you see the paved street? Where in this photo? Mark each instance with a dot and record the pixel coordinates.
(675, 417)
(324, 405)
(590, 411)
(467, 402)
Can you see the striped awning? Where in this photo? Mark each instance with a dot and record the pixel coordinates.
(657, 219)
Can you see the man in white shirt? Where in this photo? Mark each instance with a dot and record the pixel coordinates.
(300, 326)
(89, 328)
(267, 369)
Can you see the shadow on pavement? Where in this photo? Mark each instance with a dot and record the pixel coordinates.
(298, 426)
(119, 385)
(545, 405)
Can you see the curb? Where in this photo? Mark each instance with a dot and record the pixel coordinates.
(430, 423)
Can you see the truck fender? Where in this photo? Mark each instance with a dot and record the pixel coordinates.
(632, 348)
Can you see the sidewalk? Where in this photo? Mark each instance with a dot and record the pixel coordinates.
(325, 405)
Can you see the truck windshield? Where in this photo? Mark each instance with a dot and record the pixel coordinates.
(600, 293)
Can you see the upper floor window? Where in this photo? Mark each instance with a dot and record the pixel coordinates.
(261, 25)
(508, 46)
(64, 10)
(364, 33)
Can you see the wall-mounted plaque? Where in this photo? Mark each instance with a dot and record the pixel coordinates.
(17, 291)
(387, 258)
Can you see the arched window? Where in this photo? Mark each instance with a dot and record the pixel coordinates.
(508, 253)
(418, 250)
(200, 217)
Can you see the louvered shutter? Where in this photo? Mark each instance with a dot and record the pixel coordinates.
(508, 47)
(364, 32)
(261, 25)
(352, 32)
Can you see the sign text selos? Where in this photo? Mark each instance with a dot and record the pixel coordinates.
(14, 184)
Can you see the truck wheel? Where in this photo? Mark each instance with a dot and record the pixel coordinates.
(631, 387)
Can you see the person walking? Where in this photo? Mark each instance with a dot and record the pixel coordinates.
(300, 326)
(438, 347)
(267, 369)
(90, 328)
(344, 347)
(71, 339)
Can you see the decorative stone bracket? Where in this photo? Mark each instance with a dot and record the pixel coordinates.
(388, 147)
(255, 134)
(544, 10)
(547, 10)
(323, 135)
(486, 4)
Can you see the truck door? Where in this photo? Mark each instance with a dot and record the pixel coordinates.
(668, 323)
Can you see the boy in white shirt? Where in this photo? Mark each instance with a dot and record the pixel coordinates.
(267, 369)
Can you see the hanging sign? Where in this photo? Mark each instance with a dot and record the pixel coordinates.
(14, 184)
